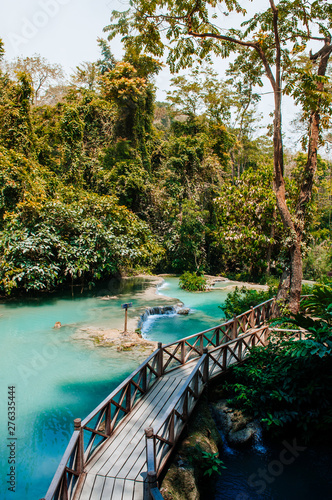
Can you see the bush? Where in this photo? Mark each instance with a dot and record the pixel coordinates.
(192, 282)
(241, 299)
(318, 262)
(287, 385)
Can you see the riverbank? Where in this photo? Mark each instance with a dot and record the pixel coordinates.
(160, 301)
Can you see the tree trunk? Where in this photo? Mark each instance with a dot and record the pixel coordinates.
(292, 276)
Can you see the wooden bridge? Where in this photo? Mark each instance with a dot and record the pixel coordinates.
(119, 450)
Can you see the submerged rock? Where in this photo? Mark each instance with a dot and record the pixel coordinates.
(184, 311)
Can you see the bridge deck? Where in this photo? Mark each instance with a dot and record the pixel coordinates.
(119, 468)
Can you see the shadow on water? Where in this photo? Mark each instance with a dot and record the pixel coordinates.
(113, 286)
(288, 471)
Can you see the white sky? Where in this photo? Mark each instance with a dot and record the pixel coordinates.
(65, 32)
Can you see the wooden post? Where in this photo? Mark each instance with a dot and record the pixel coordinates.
(128, 397)
(263, 316)
(224, 358)
(152, 483)
(252, 317)
(206, 366)
(108, 420)
(144, 379)
(150, 449)
(201, 345)
(196, 386)
(125, 307)
(183, 352)
(240, 349)
(234, 329)
(80, 446)
(126, 320)
(150, 461)
(217, 337)
(171, 428)
(266, 335)
(160, 369)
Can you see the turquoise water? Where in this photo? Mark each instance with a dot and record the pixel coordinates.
(60, 375)
(204, 312)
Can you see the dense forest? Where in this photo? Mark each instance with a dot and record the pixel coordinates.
(97, 178)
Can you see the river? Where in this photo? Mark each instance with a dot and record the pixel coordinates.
(60, 374)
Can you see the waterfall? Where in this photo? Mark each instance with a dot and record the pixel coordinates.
(258, 444)
(156, 311)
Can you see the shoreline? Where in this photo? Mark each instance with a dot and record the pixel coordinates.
(132, 339)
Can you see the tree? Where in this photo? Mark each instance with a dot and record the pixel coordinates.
(268, 42)
(15, 114)
(107, 61)
(2, 50)
(43, 74)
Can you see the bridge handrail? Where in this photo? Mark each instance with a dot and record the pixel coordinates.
(229, 322)
(126, 388)
(129, 389)
(173, 420)
(116, 391)
(180, 351)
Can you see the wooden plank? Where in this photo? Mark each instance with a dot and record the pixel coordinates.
(128, 490)
(118, 489)
(108, 489)
(87, 487)
(119, 429)
(131, 449)
(130, 427)
(98, 488)
(139, 490)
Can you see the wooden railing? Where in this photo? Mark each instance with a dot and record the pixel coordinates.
(160, 444)
(180, 352)
(92, 432)
(100, 425)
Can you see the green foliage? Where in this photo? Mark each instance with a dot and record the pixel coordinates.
(287, 385)
(242, 299)
(192, 282)
(247, 230)
(320, 302)
(21, 179)
(318, 261)
(82, 239)
(209, 463)
(72, 127)
(15, 114)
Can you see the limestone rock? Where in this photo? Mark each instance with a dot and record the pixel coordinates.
(180, 484)
(237, 428)
(184, 311)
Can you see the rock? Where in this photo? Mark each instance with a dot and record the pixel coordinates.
(242, 437)
(237, 428)
(180, 484)
(184, 311)
(185, 479)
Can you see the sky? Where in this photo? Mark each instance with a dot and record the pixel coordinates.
(66, 32)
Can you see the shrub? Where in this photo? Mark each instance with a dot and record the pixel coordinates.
(192, 282)
(241, 299)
